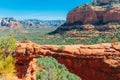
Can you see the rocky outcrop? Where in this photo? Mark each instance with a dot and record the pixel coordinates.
(100, 12)
(112, 15)
(107, 27)
(31, 71)
(10, 22)
(84, 16)
(90, 62)
(94, 16)
(106, 2)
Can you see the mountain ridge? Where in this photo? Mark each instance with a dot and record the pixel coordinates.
(29, 23)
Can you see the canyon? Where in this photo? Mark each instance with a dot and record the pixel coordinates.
(89, 62)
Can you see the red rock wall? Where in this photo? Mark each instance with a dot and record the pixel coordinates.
(90, 62)
(91, 69)
(94, 16)
(112, 15)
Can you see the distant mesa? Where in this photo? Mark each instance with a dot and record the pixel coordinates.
(93, 16)
(9, 22)
(35, 23)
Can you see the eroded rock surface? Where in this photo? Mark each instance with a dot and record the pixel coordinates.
(90, 62)
(94, 15)
(98, 13)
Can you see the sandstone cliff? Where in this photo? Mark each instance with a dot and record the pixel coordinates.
(90, 62)
(100, 15)
(100, 12)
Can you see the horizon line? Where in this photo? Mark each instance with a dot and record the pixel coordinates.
(42, 19)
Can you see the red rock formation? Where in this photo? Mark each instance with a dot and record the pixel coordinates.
(112, 15)
(106, 27)
(31, 71)
(90, 62)
(85, 16)
(80, 16)
(95, 15)
(15, 25)
(88, 27)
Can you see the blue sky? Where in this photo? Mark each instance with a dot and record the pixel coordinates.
(38, 9)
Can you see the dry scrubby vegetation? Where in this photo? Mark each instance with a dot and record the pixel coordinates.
(40, 36)
(50, 69)
(7, 62)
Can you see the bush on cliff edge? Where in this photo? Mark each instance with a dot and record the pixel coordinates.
(7, 62)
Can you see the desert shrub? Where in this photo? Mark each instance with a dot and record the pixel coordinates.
(85, 7)
(7, 67)
(50, 69)
(25, 39)
(115, 39)
(7, 44)
(113, 23)
(7, 62)
(100, 40)
(61, 48)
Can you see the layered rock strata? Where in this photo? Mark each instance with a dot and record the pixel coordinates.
(98, 13)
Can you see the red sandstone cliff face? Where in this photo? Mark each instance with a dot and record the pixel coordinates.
(90, 62)
(80, 16)
(84, 16)
(94, 15)
(112, 15)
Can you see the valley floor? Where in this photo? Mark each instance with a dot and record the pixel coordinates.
(41, 36)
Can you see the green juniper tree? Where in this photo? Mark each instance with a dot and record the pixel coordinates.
(50, 69)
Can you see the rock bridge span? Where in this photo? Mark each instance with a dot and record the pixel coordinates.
(90, 62)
